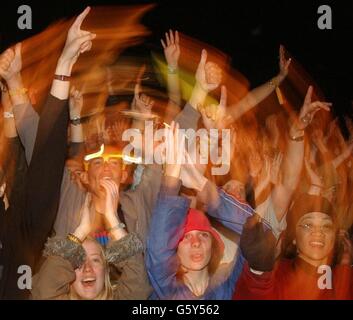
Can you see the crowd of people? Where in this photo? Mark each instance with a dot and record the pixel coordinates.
(94, 223)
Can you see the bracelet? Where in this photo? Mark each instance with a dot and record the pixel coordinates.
(73, 238)
(296, 139)
(21, 91)
(172, 70)
(62, 77)
(273, 83)
(8, 115)
(120, 225)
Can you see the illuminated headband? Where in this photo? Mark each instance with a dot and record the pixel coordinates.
(100, 154)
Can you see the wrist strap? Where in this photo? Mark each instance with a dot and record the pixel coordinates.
(16, 92)
(172, 70)
(273, 83)
(75, 121)
(296, 139)
(8, 115)
(62, 77)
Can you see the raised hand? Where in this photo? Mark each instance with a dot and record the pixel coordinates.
(309, 109)
(11, 62)
(171, 49)
(85, 226)
(283, 62)
(78, 41)
(257, 245)
(175, 151)
(141, 103)
(191, 174)
(208, 74)
(118, 129)
(215, 116)
(111, 198)
(111, 206)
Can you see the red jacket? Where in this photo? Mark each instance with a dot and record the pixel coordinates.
(293, 280)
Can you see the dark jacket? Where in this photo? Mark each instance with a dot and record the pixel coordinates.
(29, 219)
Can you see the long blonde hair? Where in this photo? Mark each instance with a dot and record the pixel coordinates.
(107, 292)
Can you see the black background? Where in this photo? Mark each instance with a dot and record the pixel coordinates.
(249, 31)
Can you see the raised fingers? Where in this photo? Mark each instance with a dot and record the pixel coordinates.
(163, 44)
(203, 59)
(171, 36)
(308, 95)
(177, 38)
(167, 39)
(81, 17)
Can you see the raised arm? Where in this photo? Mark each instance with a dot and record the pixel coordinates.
(25, 117)
(257, 280)
(293, 159)
(76, 130)
(46, 168)
(208, 77)
(172, 53)
(9, 121)
(255, 96)
(166, 229)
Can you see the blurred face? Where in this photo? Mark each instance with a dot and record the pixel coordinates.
(315, 238)
(236, 189)
(89, 281)
(76, 169)
(104, 168)
(195, 250)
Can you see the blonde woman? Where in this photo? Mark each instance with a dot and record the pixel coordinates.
(77, 267)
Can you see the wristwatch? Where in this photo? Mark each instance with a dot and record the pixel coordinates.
(120, 225)
(75, 121)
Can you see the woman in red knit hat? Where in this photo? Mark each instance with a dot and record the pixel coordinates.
(183, 251)
(200, 251)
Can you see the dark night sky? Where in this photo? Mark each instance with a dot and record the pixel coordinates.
(249, 31)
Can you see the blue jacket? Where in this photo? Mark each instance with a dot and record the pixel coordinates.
(166, 229)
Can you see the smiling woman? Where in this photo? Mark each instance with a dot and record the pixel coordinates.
(75, 271)
(308, 246)
(92, 278)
